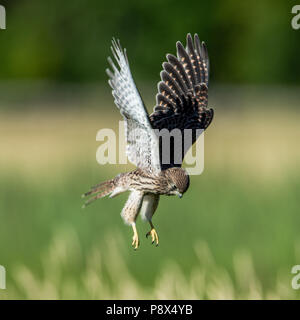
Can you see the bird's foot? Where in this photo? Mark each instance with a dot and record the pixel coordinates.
(135, 241)
(154, 236)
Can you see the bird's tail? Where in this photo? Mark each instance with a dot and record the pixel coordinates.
(101, 190)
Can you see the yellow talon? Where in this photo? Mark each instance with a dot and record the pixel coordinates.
(135, 238)
(135, 241)
(154, 236)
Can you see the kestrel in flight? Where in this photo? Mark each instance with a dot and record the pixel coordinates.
(181, 103)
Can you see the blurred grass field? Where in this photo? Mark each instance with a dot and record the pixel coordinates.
(235, 234)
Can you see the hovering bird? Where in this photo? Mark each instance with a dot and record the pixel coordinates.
(181, 103)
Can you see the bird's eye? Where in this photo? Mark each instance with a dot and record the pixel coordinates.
(173, 187)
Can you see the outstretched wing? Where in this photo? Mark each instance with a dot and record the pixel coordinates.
(142, 143)
(181, 101)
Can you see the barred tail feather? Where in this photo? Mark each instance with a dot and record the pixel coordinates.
(102, 189)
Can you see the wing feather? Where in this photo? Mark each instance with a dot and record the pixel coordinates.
(142, 143)
(178, 66)
(182, 98)
(172, 84)
(186, 63)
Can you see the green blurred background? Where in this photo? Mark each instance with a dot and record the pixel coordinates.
(235, 234)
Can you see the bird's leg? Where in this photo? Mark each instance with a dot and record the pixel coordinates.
(153, 234)
(135, 238)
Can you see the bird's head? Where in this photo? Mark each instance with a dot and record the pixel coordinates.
(178, 181)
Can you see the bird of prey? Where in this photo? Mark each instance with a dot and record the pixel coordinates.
(181, 103)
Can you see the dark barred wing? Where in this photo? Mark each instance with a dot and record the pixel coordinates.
(181, 101)
(142, 143)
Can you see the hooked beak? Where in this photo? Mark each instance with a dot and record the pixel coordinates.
(179, 194)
